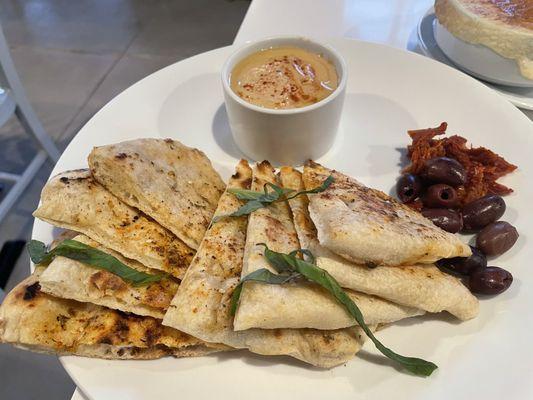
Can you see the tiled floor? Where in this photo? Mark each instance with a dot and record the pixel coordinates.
(73, 57)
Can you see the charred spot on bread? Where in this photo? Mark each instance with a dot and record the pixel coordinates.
(31, 291)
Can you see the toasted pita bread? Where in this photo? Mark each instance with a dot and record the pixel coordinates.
(74, 200)
(367, 226)
(74, 280)
(174, 184)
(201, 306)
(420, 286)
(298, 305)
(36, 321)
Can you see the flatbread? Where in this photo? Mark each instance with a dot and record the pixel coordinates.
(367, 226)
(298, 305)
(201, 306)
(74, 200)
(35, 321)
(420, 286)
(172, 183)
(74, 280)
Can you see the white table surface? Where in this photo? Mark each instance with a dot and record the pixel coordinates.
(385, 21)
(393, 22)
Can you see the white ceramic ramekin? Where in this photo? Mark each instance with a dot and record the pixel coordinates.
(288, 136)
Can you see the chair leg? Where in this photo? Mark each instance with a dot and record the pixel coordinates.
(22, 182)
(32, 125)
(24, 110)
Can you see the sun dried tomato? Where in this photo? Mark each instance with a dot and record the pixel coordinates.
(483, 166)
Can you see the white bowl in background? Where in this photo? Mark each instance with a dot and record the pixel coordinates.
(519, 96)
(285, 136)
(480, 61)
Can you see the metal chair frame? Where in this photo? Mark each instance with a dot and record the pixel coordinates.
(13, 101)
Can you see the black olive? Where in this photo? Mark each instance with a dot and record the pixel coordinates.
(465, 265)
(448, 220)
(441, 196)
(444, 170)
(408, 187)
(481, 212)
(497, 238)
(489, 280)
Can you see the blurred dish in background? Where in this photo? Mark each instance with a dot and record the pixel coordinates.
(521, 97)
(491, 39)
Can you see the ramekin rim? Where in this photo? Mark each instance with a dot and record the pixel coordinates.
(290, 111)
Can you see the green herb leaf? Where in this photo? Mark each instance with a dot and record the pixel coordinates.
(257, 200)
(317, 275)
(280, 192)
(261, 275)
(246, 209)
(306, 254)
(37, 252)
(245, 194)
(89, 255)
(327, 183)
(235, 296)
(278, 262)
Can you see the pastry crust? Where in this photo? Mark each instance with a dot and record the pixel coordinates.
(504, 27)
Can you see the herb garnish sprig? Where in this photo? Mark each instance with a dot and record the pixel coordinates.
(256, 200)
(89, 255)
(290, 267)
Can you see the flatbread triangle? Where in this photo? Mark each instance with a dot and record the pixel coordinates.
(71, 279)
(420, 286)
(33, 320)
(302, 304)
(368, 227)
(174, 184)
(201, 306)
(74, 200)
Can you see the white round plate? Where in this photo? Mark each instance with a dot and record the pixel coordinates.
(389, 91)
(521, 97)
